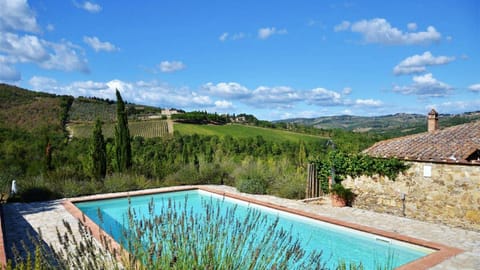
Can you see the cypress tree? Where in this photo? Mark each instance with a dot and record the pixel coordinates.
(48, 155)
(99, 153)
(123, 149)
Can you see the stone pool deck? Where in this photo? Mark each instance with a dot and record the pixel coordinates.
(21, 219)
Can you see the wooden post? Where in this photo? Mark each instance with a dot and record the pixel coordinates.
(313, 189)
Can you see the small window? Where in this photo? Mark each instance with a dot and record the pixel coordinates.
(427, 171)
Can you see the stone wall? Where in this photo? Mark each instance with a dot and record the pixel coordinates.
(434, 192)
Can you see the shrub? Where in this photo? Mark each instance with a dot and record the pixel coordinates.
(252, 186)
(228, 241)
(124, 182)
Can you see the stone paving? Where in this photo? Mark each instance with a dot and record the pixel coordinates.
(20, 218)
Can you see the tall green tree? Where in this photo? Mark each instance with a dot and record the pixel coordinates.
(99, 152)
(123, 149)
(48, 155)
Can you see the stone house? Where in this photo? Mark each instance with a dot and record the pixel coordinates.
(442, 183)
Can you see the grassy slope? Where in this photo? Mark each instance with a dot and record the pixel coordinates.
(241, 131)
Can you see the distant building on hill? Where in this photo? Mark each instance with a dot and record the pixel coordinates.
(170, 112)
(442, 183)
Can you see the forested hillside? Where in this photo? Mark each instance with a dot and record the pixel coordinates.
(32, 111)
(388, 125)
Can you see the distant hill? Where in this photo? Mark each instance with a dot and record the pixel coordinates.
(393, 125)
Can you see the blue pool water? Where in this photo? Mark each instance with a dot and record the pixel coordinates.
(335, 242)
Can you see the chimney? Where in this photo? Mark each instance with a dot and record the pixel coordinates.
(432, 121)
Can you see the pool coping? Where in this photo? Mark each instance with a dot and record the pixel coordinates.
(441, 253)
(3, 254)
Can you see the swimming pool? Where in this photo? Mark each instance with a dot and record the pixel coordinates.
(336, 242)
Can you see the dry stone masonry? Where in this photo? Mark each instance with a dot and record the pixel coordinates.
(434, 192)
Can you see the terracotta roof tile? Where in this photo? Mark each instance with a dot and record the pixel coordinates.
(453, 144)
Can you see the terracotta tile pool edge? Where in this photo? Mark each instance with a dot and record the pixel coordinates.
(97, 232)
(441, 253)
(3, 254)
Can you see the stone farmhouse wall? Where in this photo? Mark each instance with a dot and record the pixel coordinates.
(433, 192)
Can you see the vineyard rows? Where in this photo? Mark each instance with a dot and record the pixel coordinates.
(146, 129)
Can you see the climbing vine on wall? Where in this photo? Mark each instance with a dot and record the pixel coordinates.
(355, 165)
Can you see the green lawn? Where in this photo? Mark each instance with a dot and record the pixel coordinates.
(242, 131)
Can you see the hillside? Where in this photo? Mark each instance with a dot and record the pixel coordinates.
(390, 125)
(89, 109)
(27, 110)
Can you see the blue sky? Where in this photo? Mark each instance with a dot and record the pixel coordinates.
(274, 59)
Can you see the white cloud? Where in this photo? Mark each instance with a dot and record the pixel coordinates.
(455, 106)
(89, 6)
(167, 66)
(424, 86)
(65, 56)
(347, 91)
(418, 63)
(474, 87)
(41, 83)
(17, 15)
(368, 102)
(7, 71)
(412, 26)
(50, 27)
(275, 101)
(223, 104)
(342, 26)
(236, 36)
(264, 33)
(148, 93)
(298, 114)
(276, 97)
(98, 45)
(281, 96)
(379, 30)
(30, 49)
(323, 97)
(89, 85)
(347, 112)
(223, 36)
(25, 48)
(227, 90)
